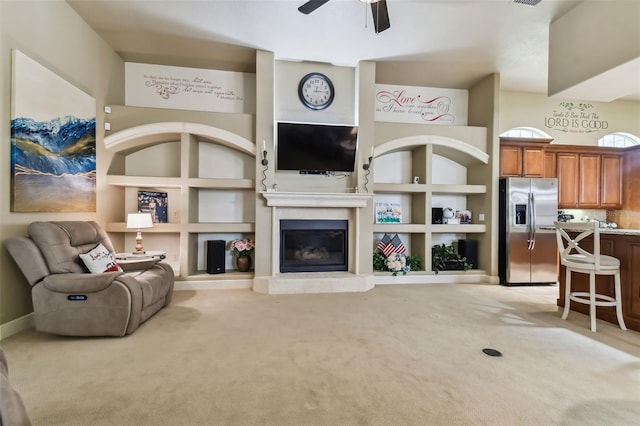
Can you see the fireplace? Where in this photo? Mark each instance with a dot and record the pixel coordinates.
(313, 245)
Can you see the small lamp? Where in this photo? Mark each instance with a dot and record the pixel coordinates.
(139, 221)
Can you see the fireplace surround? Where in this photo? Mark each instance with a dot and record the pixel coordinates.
(314, 245)
(339, 208)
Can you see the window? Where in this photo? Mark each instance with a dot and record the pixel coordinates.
(525, 132)
(619, 140)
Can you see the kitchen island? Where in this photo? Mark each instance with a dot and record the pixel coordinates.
(623, 244)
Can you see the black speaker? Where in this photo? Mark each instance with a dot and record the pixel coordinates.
(436, 215)
(215, 256)
(469, 249)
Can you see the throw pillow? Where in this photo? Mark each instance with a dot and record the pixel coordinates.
(100, 260)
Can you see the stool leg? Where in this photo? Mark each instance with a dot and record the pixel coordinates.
(592, 300)
(619, 301)
(567, 292)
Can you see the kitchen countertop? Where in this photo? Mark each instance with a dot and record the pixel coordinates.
(620, 231)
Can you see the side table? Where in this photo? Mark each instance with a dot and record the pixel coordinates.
(137, 262)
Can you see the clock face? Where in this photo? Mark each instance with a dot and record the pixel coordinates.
(316, 91)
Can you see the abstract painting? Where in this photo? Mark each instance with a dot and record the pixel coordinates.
(53, 141)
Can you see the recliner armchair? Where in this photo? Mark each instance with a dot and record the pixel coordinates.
(68, 300)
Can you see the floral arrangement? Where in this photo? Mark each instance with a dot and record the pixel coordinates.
(242, 247)
(395, 263)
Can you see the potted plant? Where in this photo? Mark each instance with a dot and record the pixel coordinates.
(241, 250)
(446, 258)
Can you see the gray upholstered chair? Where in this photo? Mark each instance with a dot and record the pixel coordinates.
(69, 300)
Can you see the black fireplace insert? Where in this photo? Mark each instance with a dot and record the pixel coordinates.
(313, 245)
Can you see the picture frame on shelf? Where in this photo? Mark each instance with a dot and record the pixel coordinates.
(156, 203)
(388, 212)
(464, 216)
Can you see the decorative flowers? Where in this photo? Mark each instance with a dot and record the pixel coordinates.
(241, 247)
(397, 262)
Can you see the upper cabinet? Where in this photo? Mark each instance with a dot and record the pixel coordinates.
(611, 181)
(588, 177)
(524, 158)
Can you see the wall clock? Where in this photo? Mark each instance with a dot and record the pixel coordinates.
(316, 91)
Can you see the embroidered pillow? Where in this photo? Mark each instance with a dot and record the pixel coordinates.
(100, 260)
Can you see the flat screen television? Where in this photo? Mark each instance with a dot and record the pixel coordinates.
(316, 148)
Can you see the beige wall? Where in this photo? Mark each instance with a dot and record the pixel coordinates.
(51, 33)
(572, 122)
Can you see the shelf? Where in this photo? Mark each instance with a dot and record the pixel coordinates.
(144, 181)
(406, 228)
(235, 227)
(208, 183)
(459, 229)
(399, 187)
(409, 228)
(158, 228)
(458, 189)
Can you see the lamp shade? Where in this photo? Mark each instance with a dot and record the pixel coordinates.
(139, 220)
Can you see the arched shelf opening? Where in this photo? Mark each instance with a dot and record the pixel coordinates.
(140, 137)
(454, 149)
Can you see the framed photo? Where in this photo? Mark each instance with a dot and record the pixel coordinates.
(464, 216)
(388, 212)
(156, 203)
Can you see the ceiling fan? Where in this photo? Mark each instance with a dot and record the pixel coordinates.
(378, 10)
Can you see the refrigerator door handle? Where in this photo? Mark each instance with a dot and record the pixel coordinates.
(528, 219)
(533, 221)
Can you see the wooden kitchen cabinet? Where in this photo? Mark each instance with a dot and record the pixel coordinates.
(550, 167)
(521, 157)
(611, 182)
(589, 181)
(568, 179)
(588, 177)
(510, 161)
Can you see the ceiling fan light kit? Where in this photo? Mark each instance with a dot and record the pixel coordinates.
(378, 10)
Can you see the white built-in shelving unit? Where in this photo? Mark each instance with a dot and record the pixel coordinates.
(208, 173)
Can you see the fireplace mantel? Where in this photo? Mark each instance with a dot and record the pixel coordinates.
(316, 199)
(315, 205)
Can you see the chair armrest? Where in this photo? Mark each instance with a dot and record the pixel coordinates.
(80, 283)
(29, 259)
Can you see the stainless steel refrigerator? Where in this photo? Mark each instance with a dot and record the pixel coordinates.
(527, 248)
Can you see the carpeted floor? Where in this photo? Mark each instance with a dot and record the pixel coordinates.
(396, 355)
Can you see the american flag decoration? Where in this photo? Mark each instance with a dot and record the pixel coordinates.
(388, 245)
(386, 239)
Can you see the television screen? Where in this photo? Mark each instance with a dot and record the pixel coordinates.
(316, 148)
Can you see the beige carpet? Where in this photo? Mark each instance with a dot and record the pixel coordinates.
(396, 355)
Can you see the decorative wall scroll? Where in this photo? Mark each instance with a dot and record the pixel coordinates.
(53, 141)
(195, 89)
(426, 105)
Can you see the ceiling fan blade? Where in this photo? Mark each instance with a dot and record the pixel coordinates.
(380, 16)
(311, 5)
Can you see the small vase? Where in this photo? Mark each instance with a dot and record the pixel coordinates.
(243, 262)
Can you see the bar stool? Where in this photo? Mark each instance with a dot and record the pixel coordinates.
(577, 259)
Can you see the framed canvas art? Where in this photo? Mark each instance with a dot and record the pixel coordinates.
(53, 141)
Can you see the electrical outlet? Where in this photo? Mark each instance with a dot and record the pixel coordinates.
(481, 217)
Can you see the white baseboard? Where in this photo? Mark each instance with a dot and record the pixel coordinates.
(17, 325)
(213, 285)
